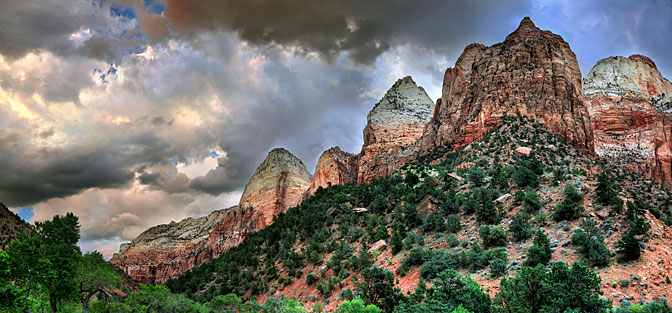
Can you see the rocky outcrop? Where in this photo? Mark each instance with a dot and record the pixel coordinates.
(533, 73)
(629, 104)
(334, 167)
(165, 251)
(278, 184)
(11, 225)
(394, 123)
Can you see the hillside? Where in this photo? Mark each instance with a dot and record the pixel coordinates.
(10, 226)
(456, 209)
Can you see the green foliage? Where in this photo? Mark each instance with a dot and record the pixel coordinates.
(449, 292)
(493, 236)
(630, 250)
(540, 251)
(453, 223)
(94, 276)
(571, 207)
(589, 242)
(476, 176)
(524, 176)
(225, 303)
(658, 306)
(530, 201)
(607, 192)
(160, 299)
(497, 268)
(311, 278)
(520, 226)
(411, 179)
(377, 287)
(397, 242)
(357, 306)
(434, 222)
(562, 289)
(481, 202)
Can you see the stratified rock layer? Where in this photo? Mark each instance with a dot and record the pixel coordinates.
(277, 185)
(629, 104)
(334, 167)
(165, 251)
(533, 73)
(394, 123)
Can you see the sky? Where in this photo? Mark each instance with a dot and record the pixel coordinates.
(133, 113)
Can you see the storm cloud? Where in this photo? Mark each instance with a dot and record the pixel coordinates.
(133, 113)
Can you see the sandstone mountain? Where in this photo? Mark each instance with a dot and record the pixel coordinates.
(278, 184)
(533, 73)
(394, 123)
(11, 225)
(334, 167)
(629, 104)
(165, 251)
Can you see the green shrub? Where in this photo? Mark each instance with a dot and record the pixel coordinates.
(588, 242)
(570, 207)
(476, 176)
(434, 222)
(453, 223)
(520, 226)
(311, 279)
(497, 268)
(492, 236)
(540, 251)
(562, 289)
(630, 249)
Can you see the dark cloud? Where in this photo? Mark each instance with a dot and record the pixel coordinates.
(31, 26)
(363, 29)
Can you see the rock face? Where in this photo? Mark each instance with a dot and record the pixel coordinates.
(277, 185)
(11, 225)
(165, 251)
(334, 167)
(533, 73)
(629, 104)
(394, 123)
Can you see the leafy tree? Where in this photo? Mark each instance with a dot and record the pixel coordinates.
(60, 236)
(449, 291)
(562, 289)
(530, 201)
(159, 299)
(377, 287)
(434, 222)
(540, 251)
(282, 305)
(630, 249)
(520, 226)
(476, 176)
(453, 223)
(93, 276)
(356, 305)
(397, 242)
(525, 177)
(589, 243)
(412, 179)
(493, 236)
(570, 207)
(10, 296)
(225, 303)
(607, 192)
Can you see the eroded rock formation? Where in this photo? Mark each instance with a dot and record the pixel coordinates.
(629, 104)
(277, 185)
(533, 73)
(334, 167)
(165, 251)
(394, 123)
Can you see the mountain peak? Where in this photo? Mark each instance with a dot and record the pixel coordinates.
(405, 101)
(525, 30)
(644, 59)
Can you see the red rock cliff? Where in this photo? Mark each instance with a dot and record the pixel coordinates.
(629, 103)
(165, 251)
(532, 73)
(394, 123)
(334, 167)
